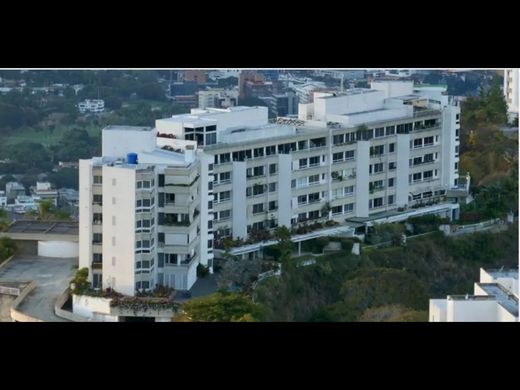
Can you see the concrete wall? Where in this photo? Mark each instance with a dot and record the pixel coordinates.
(58, 249)
(448, 172)
(205, 214)
(134, 141)
(85, 214)
(471, 311)
(119, 202)
(18, 316)
(393, 88)
(284, 190)
(65, 313)
(85, 306)
(347, 104)
(403, 169)
(362, 178)
(239, 211)
(437, 310)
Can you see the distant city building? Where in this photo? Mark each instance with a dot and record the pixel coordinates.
(68, 196)
(283, 104)
(13, 189)
(24, 203)
(338, 74)
(3, 199)
(511, 92)
(217, 98)
(44, 191)
(197, 76)
(495, 299)
(254, 84)
(91, 106)
(305, 91)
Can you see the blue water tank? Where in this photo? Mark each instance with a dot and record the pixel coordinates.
(131, 158)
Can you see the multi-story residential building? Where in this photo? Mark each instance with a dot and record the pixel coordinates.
(359, 155)
(145, 211)
(495, 299)
(93, 106)
(44, 191)
(511, 92)
(217, 98)
(283, 104)
(14, 189)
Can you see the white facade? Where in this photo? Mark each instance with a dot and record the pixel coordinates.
(407, 156)
(44, 191)
(495, 299)
(144, 212)
(511, 91)
(217, 98)
(91, 106)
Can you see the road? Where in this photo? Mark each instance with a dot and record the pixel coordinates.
(51, 275)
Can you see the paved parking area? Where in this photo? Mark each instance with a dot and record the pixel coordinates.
(51, 275)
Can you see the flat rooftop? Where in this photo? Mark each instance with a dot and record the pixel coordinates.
(503, 273)
(503, 297)
(45, 227)
(128, 128)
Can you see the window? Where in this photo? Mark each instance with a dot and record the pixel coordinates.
(456, 165)
(314, 179)
(225, 214)
(428, 141)
(170, 258)
(211, 139)
(391, 147)
(258, 171)
(427, 194)
(427, 175)
(98, 179)
(317, 142)
(210, 185)
(258, 152)
(457, 133)
(97, 238)
(302, 145)
(273, 205)
(161, 180)
(391, 182)
(392, 166)
(270, 150)
(272, 169)
(337, 157)
(225, 177)
(390, 199)
(98, 257)
(337, 210)
(210, 205)
(379, 132)
(225, 158)
(314, 214)
(98, 199)
(348, 208)
(377, 150)
(378, 202)
(417, 143)
(349, 155)
(417, 161)
(258, 189)
(417, 176)
(146, 184)
(302, 199)
(272, 187)
(338, 139)
(428, 158)
(378, 167)
(258, 208)
(313, 161)
(315, 197)
(456, 151)
(303, 163)
(224, 196)
(349, 190)
(390, 130)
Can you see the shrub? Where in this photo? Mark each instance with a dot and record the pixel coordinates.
(202, 271)
(7, 248)
(80, 281)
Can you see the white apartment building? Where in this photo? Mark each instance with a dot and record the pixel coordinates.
(217, 98)
(495, 299)
(44, 191)
(511, 92)
(145, 211)
(323, 166)
(92, 106)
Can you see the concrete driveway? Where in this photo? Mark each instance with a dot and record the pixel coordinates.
(51, 276)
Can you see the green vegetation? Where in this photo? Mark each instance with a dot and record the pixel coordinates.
(221, 307)
(80, 283)
(4, 220)
(345, 287)
(7, 248)
(426, 223)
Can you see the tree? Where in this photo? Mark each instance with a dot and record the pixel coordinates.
(239, 273)
(285, 245)
(221, 307)
(386, 232)
(7, 248)
(30, 155)
(393, 313)
(4, 220)
(65, 178)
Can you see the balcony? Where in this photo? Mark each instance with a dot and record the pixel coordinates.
(97, 221)
(97, 265)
